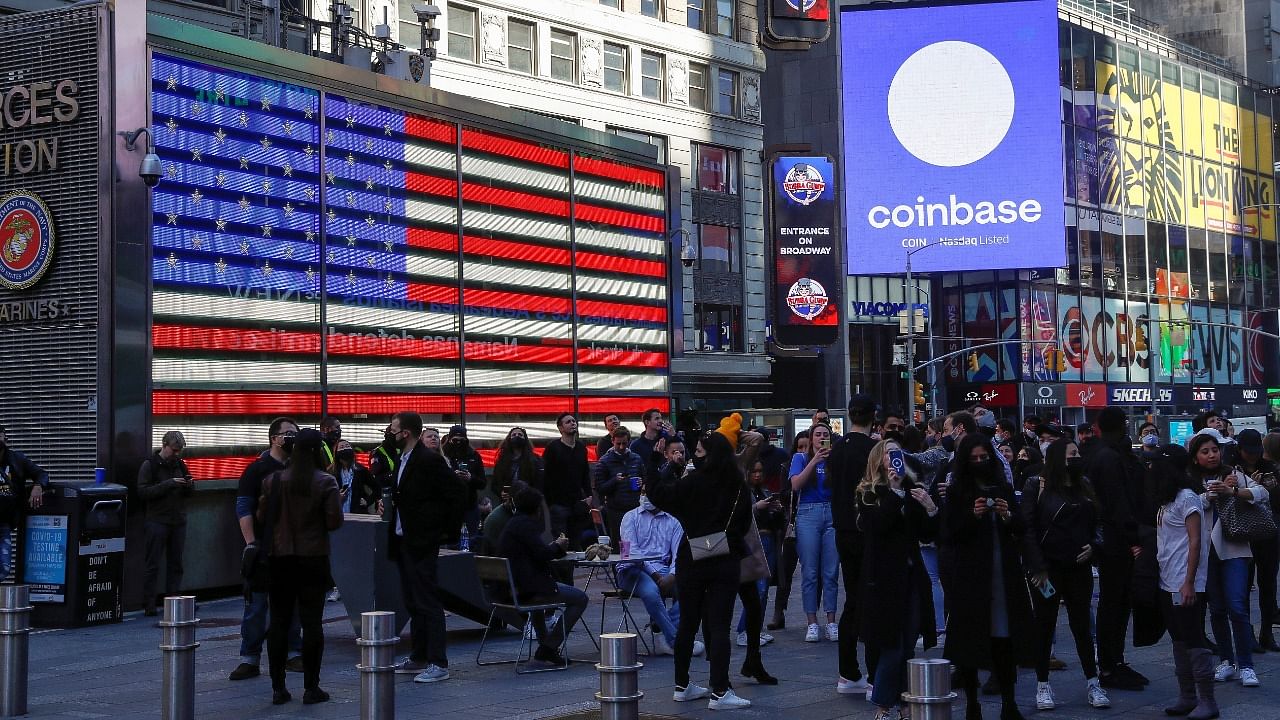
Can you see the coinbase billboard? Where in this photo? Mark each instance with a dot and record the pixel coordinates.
(952, 136)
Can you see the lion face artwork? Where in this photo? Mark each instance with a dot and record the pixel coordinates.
(1146, 182)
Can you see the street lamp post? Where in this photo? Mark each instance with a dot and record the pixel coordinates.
(911, 340)
(928, 318)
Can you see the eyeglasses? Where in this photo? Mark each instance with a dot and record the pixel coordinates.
(287, 433)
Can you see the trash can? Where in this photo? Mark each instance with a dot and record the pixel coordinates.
(72, 555)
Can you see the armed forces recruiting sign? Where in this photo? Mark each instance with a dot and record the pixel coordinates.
(807, 276)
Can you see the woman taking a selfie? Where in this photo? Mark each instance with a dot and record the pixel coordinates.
(816, 533)
(989, 620)
(1228, 580)
(895, 515)
(1061, 515)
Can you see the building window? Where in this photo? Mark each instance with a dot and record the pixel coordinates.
(521, 40)
(462, 33)
(727, 93)
(564, 56)
(718, 249)
(715, 17)
(651, 8)
(698, 86)
(717, 169)
(652, 70)
(660, 141)
(615, 67)
(719, 327)
(615, 4)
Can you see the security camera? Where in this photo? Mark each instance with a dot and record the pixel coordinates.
(425, 13)
(150, 170)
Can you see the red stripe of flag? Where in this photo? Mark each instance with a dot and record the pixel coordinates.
(213, 402)
(516, 301)
(618, 171)
(622, 405)
(621, 358)
(621, 218)
(516, 251)
(218, 468)
(510, 147)
(598, 308)
(422, 292)
(613, 263)
(432, 239)
(428, 129)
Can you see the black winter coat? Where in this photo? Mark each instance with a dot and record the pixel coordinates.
(1058, 528)
(892, 530)
(522, 545)
(1117, 476)
(429, 503)
(969, 540)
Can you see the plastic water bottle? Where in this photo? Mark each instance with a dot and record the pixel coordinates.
(464, 544)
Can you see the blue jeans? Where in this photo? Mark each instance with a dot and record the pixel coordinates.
(891, 667)
(816, 546)
(1229, 610)
(771, 557)
(635, 580)
(929, 553)
(253, 630)
(6, 550)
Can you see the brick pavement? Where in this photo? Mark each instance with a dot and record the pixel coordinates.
(114, 672)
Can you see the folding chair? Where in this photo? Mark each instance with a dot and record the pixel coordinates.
(495, 573)
(628, 621)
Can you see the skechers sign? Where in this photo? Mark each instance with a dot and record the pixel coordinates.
(807, 279)
(952, 136)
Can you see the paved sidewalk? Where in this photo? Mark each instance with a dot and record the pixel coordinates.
(114, 672)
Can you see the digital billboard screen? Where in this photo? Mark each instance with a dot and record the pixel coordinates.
(806, 275)
(952, 136)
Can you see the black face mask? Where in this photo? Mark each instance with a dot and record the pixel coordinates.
(347, 455)
(948, 443)
(699, 462)
(287, 445)
(982, 467)
(1021, 463)
(400, 441)
(518, 442)
(1075, 467)
(389, 439)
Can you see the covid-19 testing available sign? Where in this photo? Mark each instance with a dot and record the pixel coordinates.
(952, 136)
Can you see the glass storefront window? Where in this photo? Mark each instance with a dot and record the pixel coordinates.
(1082, 77)
(1070, 275)
(1112, 262)
(1197, 257)
(1171, 104)
(1178, 250)
(1270, 281)
(1252, 272)
(1216, 246)
(1235, 270)
(1135, 253)
(1157, 257)
(1090, 258)
(1064, 69)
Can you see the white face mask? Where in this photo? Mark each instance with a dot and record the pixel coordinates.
(646, 505)
(1044, 448)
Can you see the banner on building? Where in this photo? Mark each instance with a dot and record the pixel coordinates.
(958, 136)
(807, 278)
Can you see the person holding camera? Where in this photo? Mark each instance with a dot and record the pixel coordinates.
(1060, 510)
(894, 515)
(164, 483)
(989, 621)
(468, 466)
(816, 533)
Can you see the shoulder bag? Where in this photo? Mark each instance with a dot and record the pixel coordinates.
(1246, 521)
(755, 566)
(714, 544)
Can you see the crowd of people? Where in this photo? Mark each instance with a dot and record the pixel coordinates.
(968, 531)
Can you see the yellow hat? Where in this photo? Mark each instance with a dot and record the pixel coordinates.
(729, 428)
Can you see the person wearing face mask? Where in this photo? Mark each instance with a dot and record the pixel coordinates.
(468, 466)
(1060, 510)
(1118, 479)
(164, 484)
(1007, 432)
(1229, 559)
(331, 431)
(1028, 462)
(1149, 437)
(989, 622)
(382, 463)
(517, 460)
(654, 533)
(253, 564)
(355, 483)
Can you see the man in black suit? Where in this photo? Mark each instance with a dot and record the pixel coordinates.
(427, 513)
(521, 544)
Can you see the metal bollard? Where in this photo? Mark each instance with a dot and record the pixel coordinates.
(15, 629)
(377, 665)
(619, 694)
(178, 643)
(929, 692)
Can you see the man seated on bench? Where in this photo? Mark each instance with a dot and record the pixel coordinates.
(654, 533)
(530, 560)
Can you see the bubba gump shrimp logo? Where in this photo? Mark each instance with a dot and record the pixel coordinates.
(26, 240)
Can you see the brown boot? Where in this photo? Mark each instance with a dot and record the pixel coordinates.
(1202, 669)
(1187, 700)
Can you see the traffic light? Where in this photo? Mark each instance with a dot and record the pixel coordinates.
(1059, 361)
(919, 393)
(973, 363)
(1140, 339)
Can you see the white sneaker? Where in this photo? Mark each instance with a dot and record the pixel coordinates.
(1044, 697)
(698, 648)
(850, 687)
(335, 596)
(742, 639)
(811, 635)
(662, 647)
(1098, 697)
(870, 689)
(693, 692)
(1224, 672)
(765, 639)
(433, 673)
(833, 632)
(1248, 677)
(727, 701)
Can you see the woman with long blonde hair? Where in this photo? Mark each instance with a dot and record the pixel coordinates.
(895, 515)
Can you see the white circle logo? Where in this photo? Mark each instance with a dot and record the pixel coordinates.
(951, 103)
(807, 298)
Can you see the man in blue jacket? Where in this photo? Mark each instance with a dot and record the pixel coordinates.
(618, 477)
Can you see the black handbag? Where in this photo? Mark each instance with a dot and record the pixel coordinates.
(1245, 521)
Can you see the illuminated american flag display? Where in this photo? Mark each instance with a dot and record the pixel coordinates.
(285, 214)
